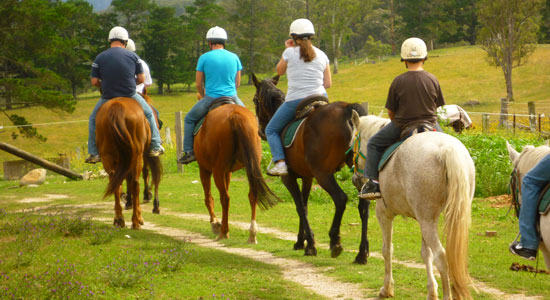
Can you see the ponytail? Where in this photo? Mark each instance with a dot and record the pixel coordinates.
(306, 49)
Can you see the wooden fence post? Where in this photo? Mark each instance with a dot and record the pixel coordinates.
(179, 139)
(365, 106)
(485, 122)
(532, 120)
(503, 121)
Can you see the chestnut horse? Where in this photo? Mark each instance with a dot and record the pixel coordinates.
(228, 141)
(319, 150)
(123, 136)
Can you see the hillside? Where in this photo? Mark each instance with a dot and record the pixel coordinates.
(463, 73)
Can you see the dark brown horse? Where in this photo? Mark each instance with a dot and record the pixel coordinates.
(319, 150)
(123, 135)
(229, 141)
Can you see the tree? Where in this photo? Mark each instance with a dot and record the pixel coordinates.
(134, 12)
(26, 30)
(509, 34)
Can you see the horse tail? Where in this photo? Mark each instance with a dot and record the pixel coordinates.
(245, 139)
(460, 191)
(123, 141)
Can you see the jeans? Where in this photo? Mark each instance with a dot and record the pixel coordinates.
(533, 182)
(155, 135)
(284, 114)
(197, 112)
(378, 143)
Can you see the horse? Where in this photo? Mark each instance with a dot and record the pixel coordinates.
(319, 150)
(123, 135)
(149, 163)
(227, 142)
(523, 162)
(430, 173)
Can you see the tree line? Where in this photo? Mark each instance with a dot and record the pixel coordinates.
(47, 46)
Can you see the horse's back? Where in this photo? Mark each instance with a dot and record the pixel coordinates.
(417, 175)
(321, 143)
(215, 143)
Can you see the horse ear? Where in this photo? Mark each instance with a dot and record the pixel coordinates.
(355, 119)
(512, 153)
(255, 81)
(275, 79)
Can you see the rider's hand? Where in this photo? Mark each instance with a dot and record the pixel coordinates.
(199, 97)
(289, 43)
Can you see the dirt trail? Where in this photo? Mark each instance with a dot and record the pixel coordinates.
(299, 272)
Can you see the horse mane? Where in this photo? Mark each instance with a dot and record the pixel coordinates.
(267, 92)
(529, 157)
(370, 125)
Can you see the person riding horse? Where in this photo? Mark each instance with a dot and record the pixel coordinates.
(218, 75)
(413, 97)
(308, 72)
(532, 185)
(116, 71)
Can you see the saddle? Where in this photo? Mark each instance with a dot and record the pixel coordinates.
(303, 110)
(408, 131)
(543, 202)
(215, 104)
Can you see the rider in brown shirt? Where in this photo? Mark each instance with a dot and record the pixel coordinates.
(413, 96)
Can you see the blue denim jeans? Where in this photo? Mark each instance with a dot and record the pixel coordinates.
(155, 135)
(284, 114)
(378, 143)
(533, 182)
(197, 112)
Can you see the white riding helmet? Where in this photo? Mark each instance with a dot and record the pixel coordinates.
(413, 48)
(216, 35)
(301, 28)
(118, 33)
(130, 45)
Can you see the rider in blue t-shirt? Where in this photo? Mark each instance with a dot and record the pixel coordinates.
(218, 74)
(116, 71)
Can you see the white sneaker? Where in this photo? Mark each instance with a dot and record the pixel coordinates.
(278, 169)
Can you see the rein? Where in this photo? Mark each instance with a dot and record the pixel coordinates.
(356, 148)
(515, 188)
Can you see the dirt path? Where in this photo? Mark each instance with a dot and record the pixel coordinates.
(299, 272)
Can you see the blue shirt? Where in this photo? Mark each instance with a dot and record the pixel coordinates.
(117, 69)
(220, 68)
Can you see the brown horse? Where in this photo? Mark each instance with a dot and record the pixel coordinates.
(319, 150)
(227, 141)
(123, 135)
(149, 164)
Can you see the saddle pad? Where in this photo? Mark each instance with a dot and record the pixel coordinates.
(544, 201)
(388, 154)
(198, 126)
(289, 133)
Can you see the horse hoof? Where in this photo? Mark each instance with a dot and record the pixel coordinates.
(216, 227)
(336, 250)
(360, 259)
(146, 201)
(141, 222)
(252, 240)
(156, 210)
(119, 223)
(128, 205)
(385, 294)
(310, 252)
(147, 197)
(136, 226)
(299, 246)
(222, 237)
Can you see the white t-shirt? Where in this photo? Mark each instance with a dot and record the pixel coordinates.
(304, 79)
(148, 80)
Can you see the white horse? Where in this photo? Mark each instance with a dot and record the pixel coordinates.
(523, 162)
(429, 173)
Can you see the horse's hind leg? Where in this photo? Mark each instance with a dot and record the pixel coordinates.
(205, 176)
(363, 208)
(385, 219)
(253, 226)
(137, 219)
(304, 230)
(147, 195)
(432, 251)
(221, 180)
(119, 218)
(329, 184)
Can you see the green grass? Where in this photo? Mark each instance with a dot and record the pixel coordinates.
(207, 271)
